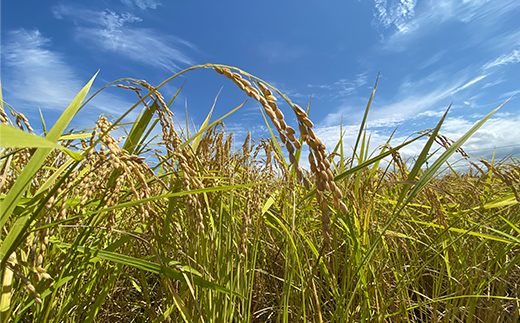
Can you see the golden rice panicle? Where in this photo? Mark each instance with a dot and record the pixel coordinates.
(17, 268)
(171, 139)
(188, 176)
(268, 102)
(132, 175)
(155, 94)
(320, 168)
(3, 116)
(446, 143)
(19, 119)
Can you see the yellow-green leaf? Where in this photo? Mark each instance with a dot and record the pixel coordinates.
(16, 138)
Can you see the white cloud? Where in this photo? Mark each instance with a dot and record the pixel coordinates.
(35, 73)
(408, 106)
(498, 133)
(113, 32)
(38, 77)
(142, 4)
(509, 94)
(493, 83)
(468, 84)
(376, 139)
(413, 21)
(433, 59)
(396, 13)
(342, 87)
(505, 59)
(114, 22)
(426, 97)
(431, 113)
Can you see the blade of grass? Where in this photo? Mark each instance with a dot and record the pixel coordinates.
(38, 158)
(144, 265)
(22, 183)
(202, 130)
(363, 165)
(198, 136)
(139, 128)
(430, 172)
(17, 138)
(465, 231)
(419, 185)
(363, 122)
(375, 159)
(44, 127)
(423, 156)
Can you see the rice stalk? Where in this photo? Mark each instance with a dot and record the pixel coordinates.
(182, 227)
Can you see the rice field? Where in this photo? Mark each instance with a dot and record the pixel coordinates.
(163, 225)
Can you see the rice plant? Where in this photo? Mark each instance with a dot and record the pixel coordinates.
(164, 225)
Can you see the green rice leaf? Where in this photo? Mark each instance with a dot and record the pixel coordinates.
(75, 136)
(198, 136)
(145, 265)
(22, 183)
(464, 231)
(12, 137)
(363, 122)
(203, 129)
(430, 172)
(139, 127)
(423, 156)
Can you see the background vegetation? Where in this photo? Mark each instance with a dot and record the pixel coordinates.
(186, 227)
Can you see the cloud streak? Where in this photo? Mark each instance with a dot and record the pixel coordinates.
(38, 77)
(412, 101)
(113, 32)
(36, 74)
(415, 106)
(142, 4)
(343, 87)
(468, 84)
(499, 134)
(414, 21)
(395, 13)
(506, 59)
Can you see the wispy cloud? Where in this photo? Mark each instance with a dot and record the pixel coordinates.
(506, 59)
(414, 107)
(142, 4)
(114, 32)
(468, 84)
(498, 133)
(493, 83)
(342, 87)
(391, 114)
(395, 13)
(416, 98)
(433, 59)
(36, 74)
(413, 21)
(38, 77)
(430, 113)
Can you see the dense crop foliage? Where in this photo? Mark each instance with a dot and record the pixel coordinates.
(166, 225)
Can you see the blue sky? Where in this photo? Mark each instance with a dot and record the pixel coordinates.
(429, 53)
